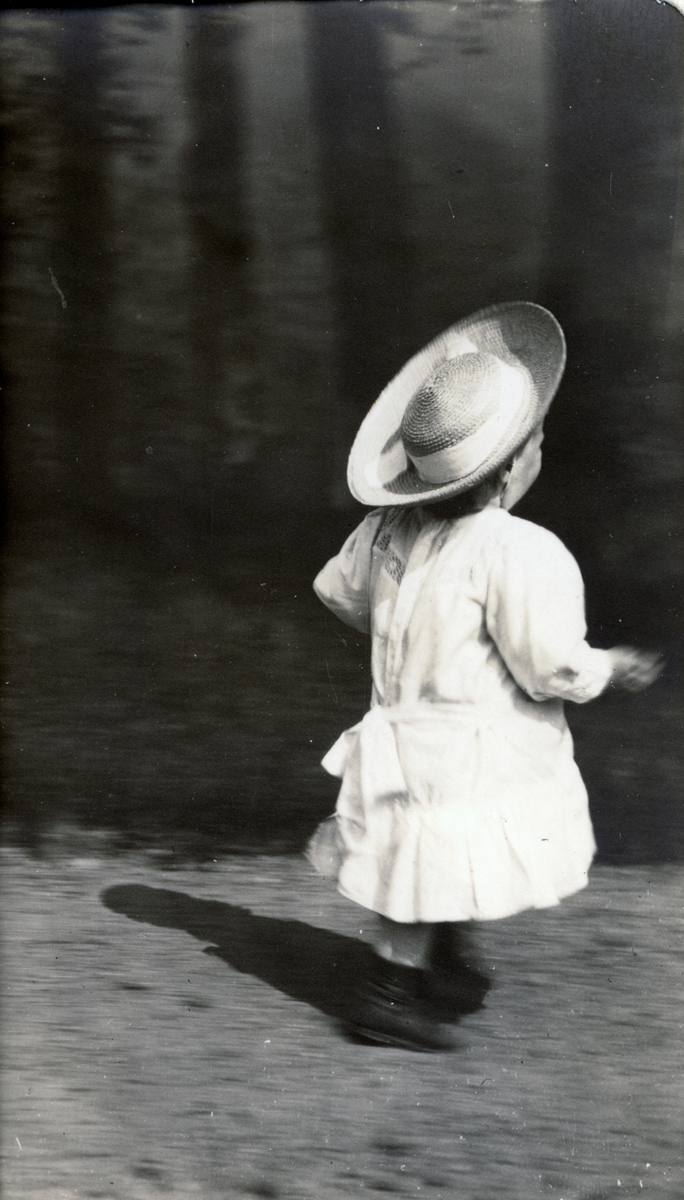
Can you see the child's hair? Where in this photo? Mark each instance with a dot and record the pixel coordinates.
(472, 501)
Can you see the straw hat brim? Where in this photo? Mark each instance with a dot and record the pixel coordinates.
(524, 335)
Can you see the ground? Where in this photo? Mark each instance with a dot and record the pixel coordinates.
(177, 1032)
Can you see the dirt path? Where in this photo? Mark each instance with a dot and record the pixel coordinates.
(138, 1064)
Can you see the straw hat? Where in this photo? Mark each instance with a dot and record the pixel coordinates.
(460, 408)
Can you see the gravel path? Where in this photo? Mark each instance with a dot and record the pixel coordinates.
(175, 1032)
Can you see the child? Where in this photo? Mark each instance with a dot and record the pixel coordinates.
(460, 797)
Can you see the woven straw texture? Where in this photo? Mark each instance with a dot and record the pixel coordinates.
(524, 335)
(454, 401)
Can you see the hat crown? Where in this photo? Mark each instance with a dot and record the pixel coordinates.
(448, 396)
(452, 403)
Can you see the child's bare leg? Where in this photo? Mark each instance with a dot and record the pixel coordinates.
(409, 945)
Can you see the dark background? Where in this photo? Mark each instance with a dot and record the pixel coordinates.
(227, 228)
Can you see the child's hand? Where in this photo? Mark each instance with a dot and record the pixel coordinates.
(634, 669)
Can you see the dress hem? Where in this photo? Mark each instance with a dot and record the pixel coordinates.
(463, 915)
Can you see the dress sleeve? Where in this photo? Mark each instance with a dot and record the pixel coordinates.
(344, 583)
(535, 615)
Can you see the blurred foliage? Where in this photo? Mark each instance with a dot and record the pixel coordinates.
(227, 228)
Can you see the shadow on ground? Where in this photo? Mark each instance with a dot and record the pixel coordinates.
(317, 966)
(314, 965)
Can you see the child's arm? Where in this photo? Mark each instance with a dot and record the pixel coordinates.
(344, 583)
(535, 615)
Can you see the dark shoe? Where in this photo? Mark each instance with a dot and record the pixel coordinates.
(390, 1010)
(453, 987)
(450, 997)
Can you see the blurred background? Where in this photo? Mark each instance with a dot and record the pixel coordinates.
(227, 227)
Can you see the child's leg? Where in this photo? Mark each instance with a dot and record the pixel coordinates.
(410, 945)
(390, 1006)
(457, 984)
(418, 981)
(452, 943)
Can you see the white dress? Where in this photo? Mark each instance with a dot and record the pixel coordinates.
(460, 796)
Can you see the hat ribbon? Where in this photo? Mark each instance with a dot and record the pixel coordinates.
(464, 457)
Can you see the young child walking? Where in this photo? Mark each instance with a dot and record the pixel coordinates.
(460, 798)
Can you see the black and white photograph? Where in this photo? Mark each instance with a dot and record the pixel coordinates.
(343, 817)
